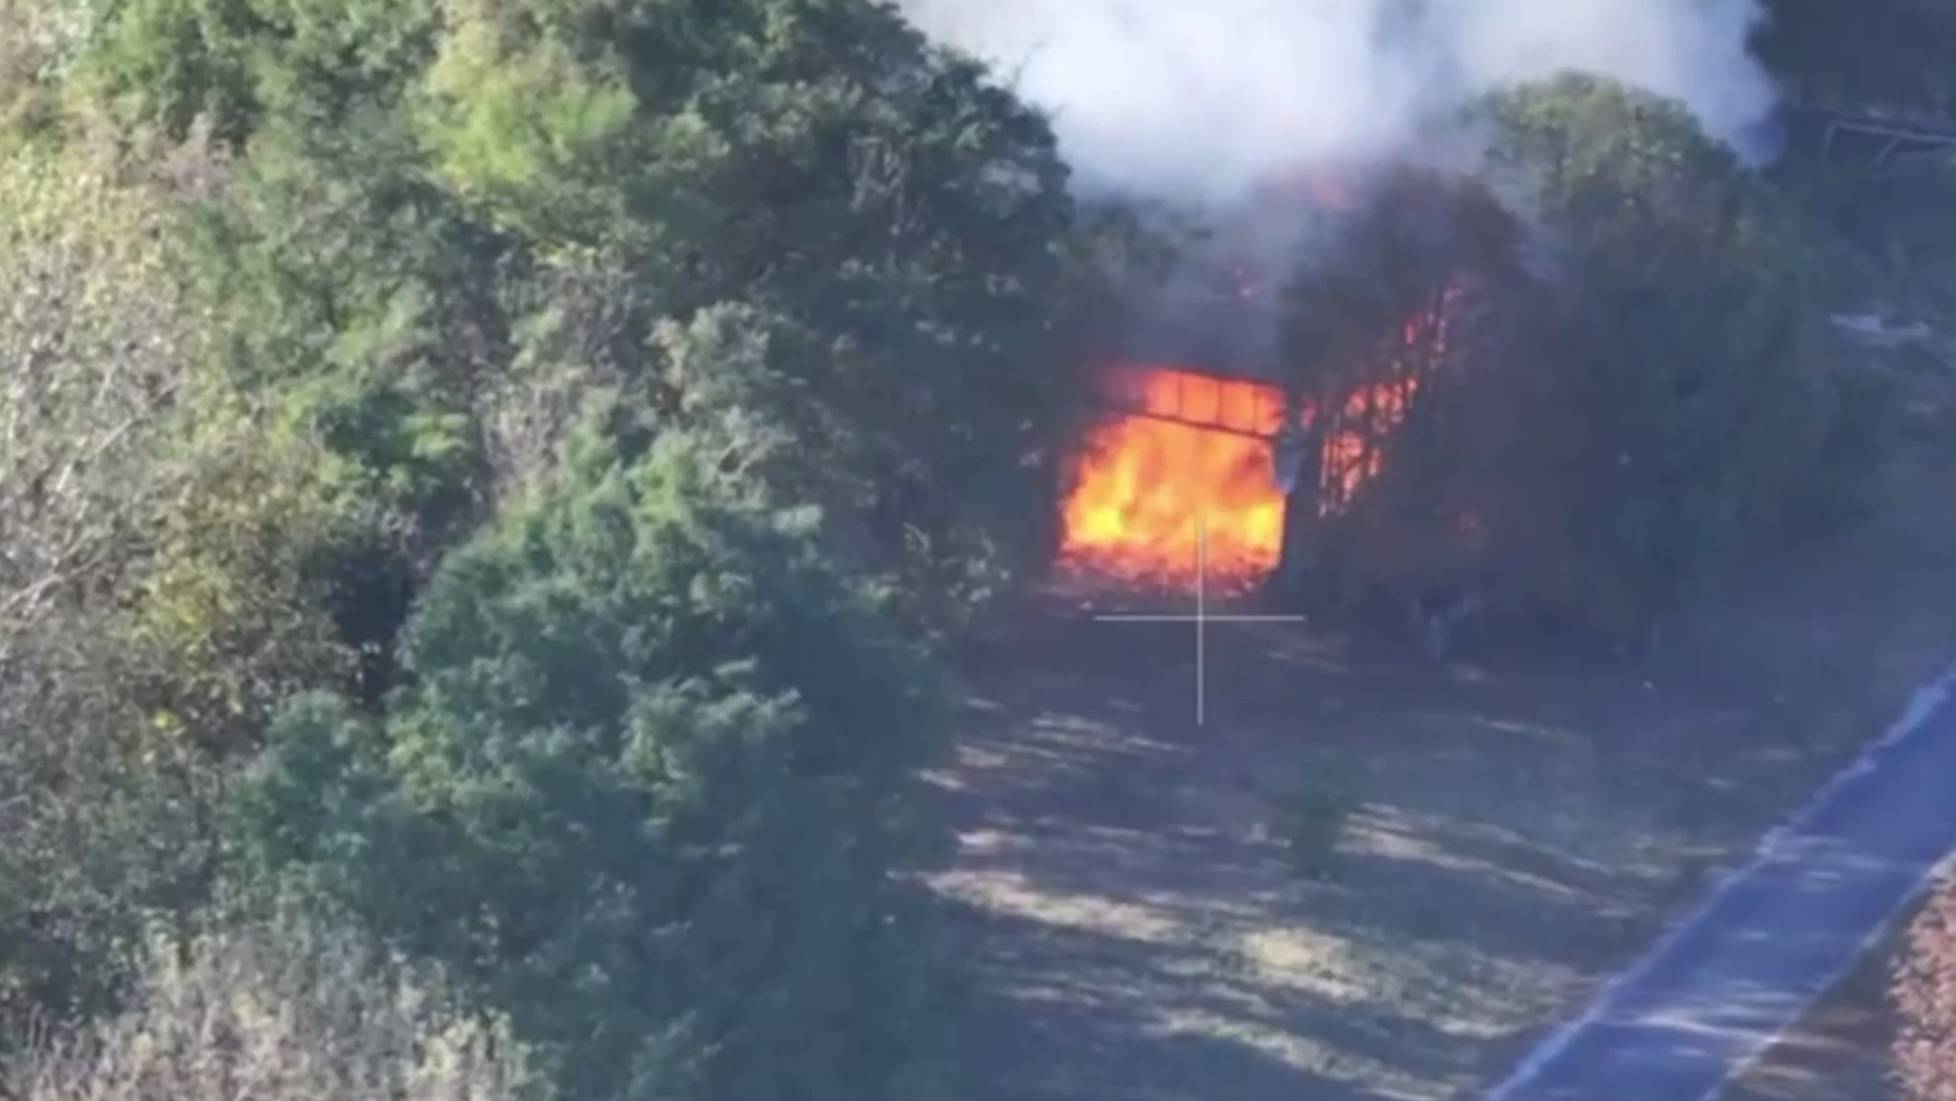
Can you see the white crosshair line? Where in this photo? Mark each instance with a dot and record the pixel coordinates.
(1201, 619)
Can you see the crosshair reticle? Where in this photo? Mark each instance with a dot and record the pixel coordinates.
(1201, 619)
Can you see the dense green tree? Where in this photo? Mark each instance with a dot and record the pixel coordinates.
(165, 63)
(649, 790)
(1595, 404)
(350, 294)
(818, 163)
(415, 188)
(396, 252)
(1685, 292)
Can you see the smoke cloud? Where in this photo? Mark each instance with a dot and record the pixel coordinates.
(1203, 100)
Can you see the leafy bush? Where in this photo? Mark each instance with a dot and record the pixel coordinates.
(285, 1009)
(99, 832)
(1617, 387)
(422, 195)
(1311, 824)
(649, 793)
(331, 307)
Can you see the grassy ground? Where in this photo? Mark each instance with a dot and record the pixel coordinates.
(1520, 828)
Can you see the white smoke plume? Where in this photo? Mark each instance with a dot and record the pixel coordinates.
(1202, 100)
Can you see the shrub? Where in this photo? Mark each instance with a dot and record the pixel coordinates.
(284, 1009)
(650, 792)
(1311, 825)
(1603, 382)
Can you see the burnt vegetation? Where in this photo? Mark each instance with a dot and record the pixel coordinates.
(500, 478)
(1607, 407)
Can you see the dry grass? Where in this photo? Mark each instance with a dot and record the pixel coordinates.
(1523, 828)
(283, 1010)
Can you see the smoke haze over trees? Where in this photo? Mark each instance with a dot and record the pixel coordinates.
(1616, 400)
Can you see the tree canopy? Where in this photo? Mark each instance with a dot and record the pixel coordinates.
(1605, 343)
(352, 278)
(646, 792)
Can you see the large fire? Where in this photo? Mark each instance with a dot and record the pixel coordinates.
(1353, 454)
(1190, 450)
(1146, 479)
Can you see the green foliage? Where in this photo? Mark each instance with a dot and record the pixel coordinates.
(37, 40)
(648, 792)
(1616, 396)
(399, 252)
(283, 1009)
(1310, 826)
(1688, 296)
(232, 610)
(414, 187)
(815, 163)
(99, 830)
(164, 63)
(101, 839)
(1838, 489)
(408, 401)
(350, 296)
(539, 141)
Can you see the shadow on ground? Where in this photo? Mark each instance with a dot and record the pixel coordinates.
(1136, 925)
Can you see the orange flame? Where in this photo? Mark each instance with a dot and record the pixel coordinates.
(1352, 454)
(1194, 447)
